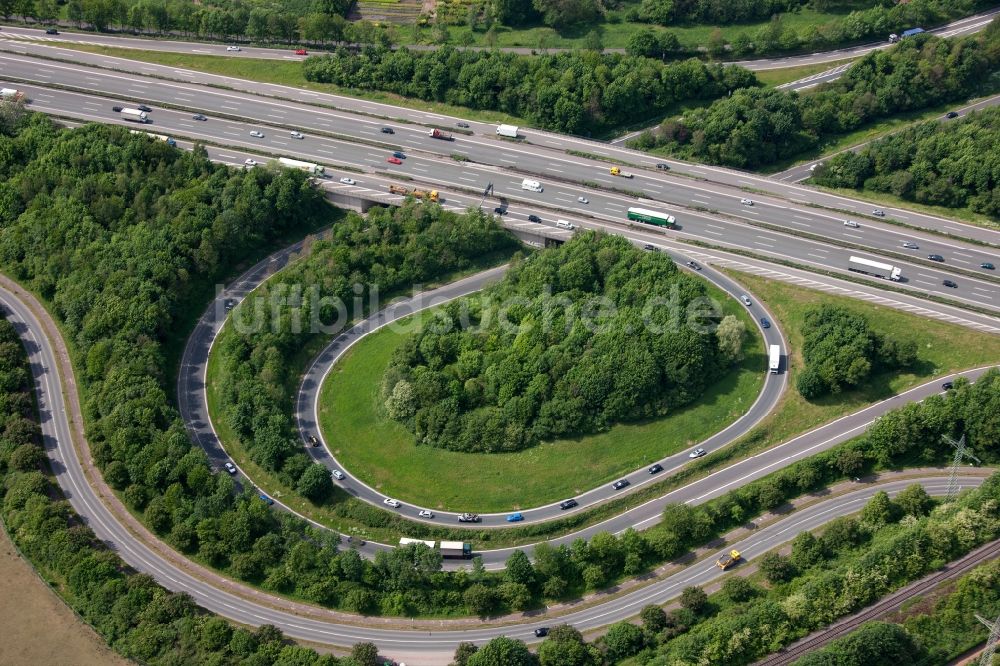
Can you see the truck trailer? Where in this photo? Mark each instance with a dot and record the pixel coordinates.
(11, 93)
(308, 167)
(616, 171)
(874, 268)
(135, 115)
(438, 134)
(428, 195)
(774, 358)
(159, 137)
(509, 131)
(457, 549)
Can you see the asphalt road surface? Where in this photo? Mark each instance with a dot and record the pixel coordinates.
(729, 219)
(801, 172)
(964, 26)
(333, 115)
(426, 642)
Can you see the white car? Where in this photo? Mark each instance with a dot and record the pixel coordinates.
(746, 300)
(296, 135)
(230, 467)
(388, 501)
(249, 162)
(337, 474)
(813, 167)
(746, 202)
(426, 514)
(347, 181)
(697, 453)
(583, 200)
(255, 133)
(851, 223)
(232, 48)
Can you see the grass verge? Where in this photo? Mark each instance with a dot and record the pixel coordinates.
(382, 452)
(287, 74)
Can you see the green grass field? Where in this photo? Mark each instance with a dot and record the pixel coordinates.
(382, 452)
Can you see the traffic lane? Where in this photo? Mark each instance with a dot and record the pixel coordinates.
(315, 375)
(743, 471)
(560, 196)
(801, 172)
(510, 154)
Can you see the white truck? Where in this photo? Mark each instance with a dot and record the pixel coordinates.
(533, 185)
(159, 137)
(774, 359)
(456, 549)
(509, 131)
(10, 93)
(135, 115)
(308, 167)
(874, 268)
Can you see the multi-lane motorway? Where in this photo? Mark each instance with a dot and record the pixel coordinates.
(711, 212)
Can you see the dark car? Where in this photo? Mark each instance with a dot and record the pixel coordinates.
(567, 504)
(951, 114)
(314, 440)
(461, 124)
(534, 218)
(947, 386)
(267, 500)
(935, 257)
(116, 109)
(387, 130)
(949, 283)
(399, 155)
(199, 116)
(143, 107)
(655, 469)
(542, 632)
(693, 265)
(987, 265)
(663, 167)
(650, 248)
(51, 31)
(500, 211)
(765, 322)
(619, 484)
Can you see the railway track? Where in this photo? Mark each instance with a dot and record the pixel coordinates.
(886, 605)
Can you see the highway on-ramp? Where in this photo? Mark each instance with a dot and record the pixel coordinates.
(420, 641)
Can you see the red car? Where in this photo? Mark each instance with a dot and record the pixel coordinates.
(394, 160)
(301, 52)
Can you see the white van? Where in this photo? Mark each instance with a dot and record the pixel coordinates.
(563, 224)
(533, 185)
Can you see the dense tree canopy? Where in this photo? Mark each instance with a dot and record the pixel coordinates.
(756, 127)
(571, 92)
(841, 351)
(953, 164)
(572, 341)
(360, 260)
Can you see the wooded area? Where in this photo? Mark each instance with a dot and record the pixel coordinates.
(569, 343)
(576, 92)
(386, 253)
(756, 127)
(841, 352)
(954, 164)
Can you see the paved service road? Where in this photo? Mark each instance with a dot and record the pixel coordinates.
(964, 26)
(707, 211)
(537, 152)
(801, 172)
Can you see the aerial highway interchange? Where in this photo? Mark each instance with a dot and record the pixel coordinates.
(710, 205)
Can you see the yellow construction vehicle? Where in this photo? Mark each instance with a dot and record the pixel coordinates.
(727, 561)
